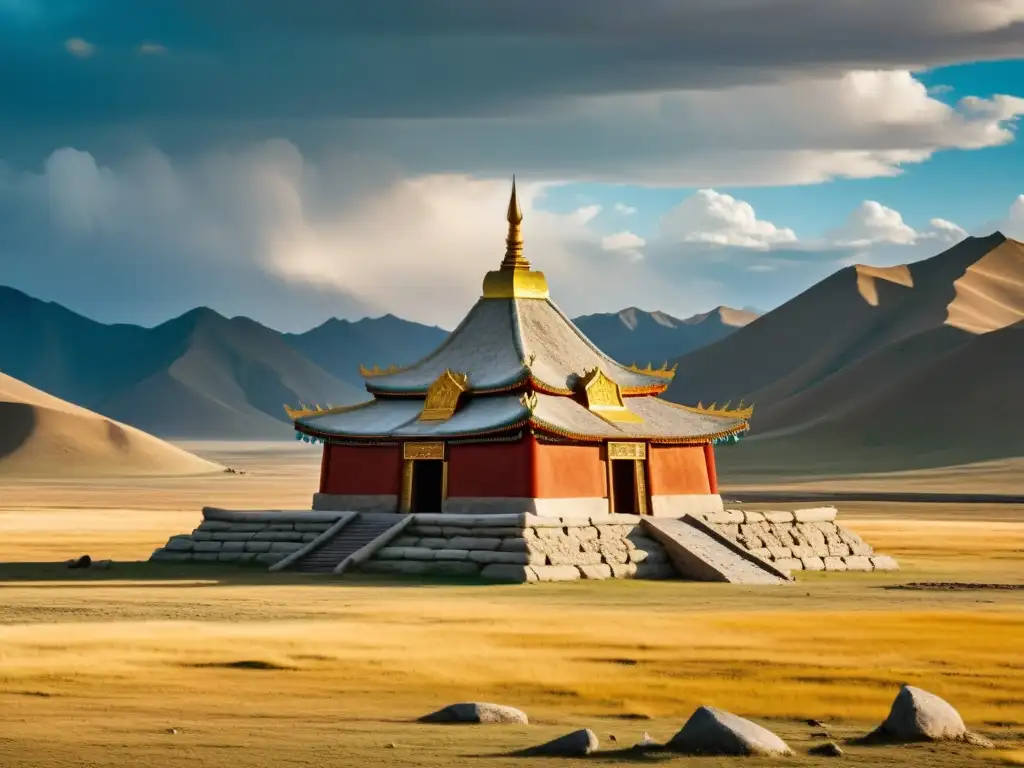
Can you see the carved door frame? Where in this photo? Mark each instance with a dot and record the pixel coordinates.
(418, 451)
(637, 453)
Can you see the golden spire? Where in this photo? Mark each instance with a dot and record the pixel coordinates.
(515, 279)
(514, 242)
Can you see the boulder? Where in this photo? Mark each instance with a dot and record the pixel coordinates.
(477, 712)
(576, 744)
(711, 731)
(917, 715)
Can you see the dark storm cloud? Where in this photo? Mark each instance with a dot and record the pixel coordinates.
(257, 59)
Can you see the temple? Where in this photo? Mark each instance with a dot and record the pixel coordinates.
(517, 411)
(517, 451)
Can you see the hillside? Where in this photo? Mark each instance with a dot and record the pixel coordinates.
(341, 346)
(896, 367)
(634, 335)
(41, 435)
(200, 375)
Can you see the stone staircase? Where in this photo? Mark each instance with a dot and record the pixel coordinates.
(353, 537)
(700, 553)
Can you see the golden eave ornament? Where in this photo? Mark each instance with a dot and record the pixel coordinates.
(604, 398)
(739, 412)
(316, 410)
(515, 279)
(661, 373)
(443, 396)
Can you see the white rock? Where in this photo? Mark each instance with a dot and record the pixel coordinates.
(778, 516)
(477, 712)
(917, 715)
(556, 572)
(711, 731)
(858, 563)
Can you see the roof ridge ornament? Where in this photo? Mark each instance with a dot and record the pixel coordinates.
(515, 279)
(662, 373)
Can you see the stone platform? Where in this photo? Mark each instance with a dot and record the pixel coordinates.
(732, 546)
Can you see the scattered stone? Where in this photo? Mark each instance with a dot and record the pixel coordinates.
(917, 715)
(576, 744)
(828, 749)
(711, 731)
(884, 563)
(477, 712)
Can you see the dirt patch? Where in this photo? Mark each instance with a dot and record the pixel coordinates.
(951, 586)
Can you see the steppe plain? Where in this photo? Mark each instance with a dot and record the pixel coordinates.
(159, 666)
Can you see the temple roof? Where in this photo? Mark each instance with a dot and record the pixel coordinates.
(505, 341)
(398, 418)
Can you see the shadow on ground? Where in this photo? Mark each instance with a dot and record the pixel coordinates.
(169, 575)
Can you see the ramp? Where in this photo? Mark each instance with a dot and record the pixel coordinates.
(701, 554)
(355, 537)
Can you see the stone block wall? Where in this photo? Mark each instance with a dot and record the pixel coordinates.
(806, 539)
(258, 538)
(523, 548)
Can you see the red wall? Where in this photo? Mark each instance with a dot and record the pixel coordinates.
(359, 470)
(569, 471)
(491, 469)
(677, 469)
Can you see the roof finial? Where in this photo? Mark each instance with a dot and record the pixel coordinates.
(514, 258)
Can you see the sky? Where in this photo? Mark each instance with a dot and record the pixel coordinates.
(294, 161)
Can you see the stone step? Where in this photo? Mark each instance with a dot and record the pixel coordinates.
(349, 540)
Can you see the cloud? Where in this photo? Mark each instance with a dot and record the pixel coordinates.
(627, 243)
(871, 223)
(262, 231)
(685, 94)
(79, 48)
(1013, 224)
(624, 210)
(713, 217)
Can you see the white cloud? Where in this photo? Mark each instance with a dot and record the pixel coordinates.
(79, 48)
(360, 230)
(1013, 224)
(624, 210)
(713, 217)
(627, 243)
(874, 224)
(151, 49)
(798, 130)
(265, 232)
(871, 223)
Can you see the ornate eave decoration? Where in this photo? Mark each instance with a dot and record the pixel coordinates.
(739, 412)
(369, 373)
(443, 396)
(660, 373)
(603, 398)
(317, 410)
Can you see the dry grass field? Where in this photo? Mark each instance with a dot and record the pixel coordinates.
(146, 666)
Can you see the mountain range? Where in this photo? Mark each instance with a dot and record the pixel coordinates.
(874, 368)
(206, 376)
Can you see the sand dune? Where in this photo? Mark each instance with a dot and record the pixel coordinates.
(43, 436)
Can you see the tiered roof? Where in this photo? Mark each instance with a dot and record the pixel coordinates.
(517, 362)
